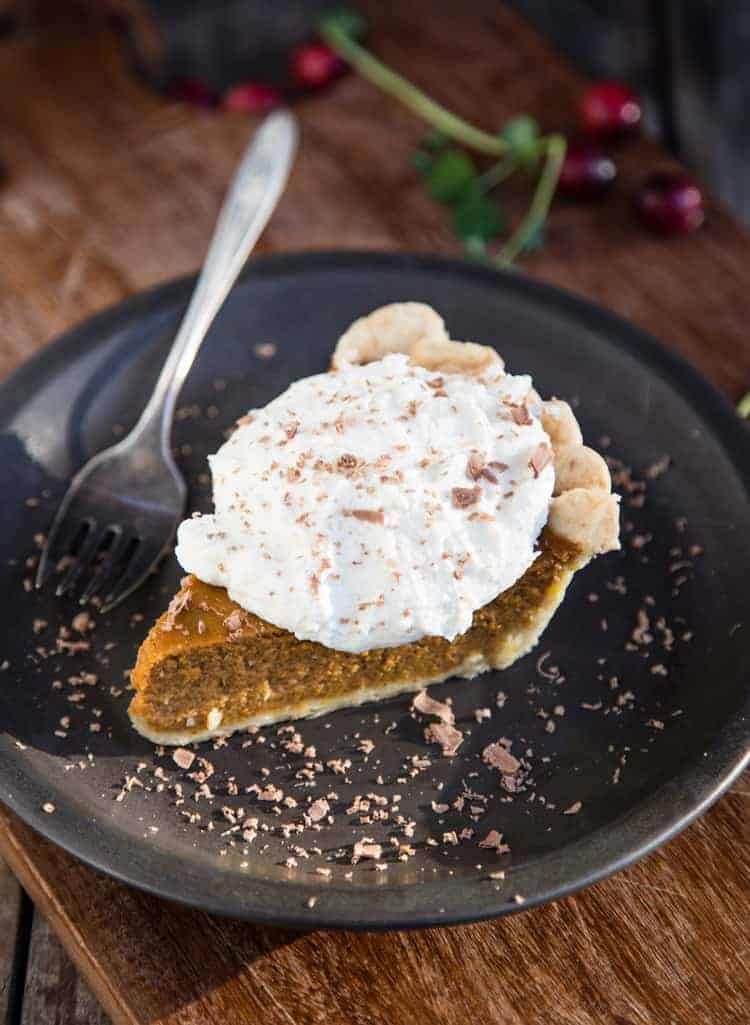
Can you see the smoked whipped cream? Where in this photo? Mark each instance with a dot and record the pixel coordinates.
(377, 505)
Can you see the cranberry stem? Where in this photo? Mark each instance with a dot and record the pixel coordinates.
(503, 169)
(450, 124)
(540, 203)
(401, 89)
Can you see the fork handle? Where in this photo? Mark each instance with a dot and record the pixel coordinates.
(252, 198)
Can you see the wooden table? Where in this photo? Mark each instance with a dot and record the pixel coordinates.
(111, 189)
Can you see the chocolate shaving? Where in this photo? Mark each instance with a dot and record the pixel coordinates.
(346, 463)
(429, 706)
(234, 621)
(641, 634)
(368, 515)
(183, 758)
(494, 842)
(475, 466)
(318, 809)
(497, 465)
(463, 498)
(520, 415)
(498, 757)
(271, 793)
(366, 848)
(180, 602)
(658, 468)
(448, 737)
(540, 458)
(82, 622)
(265, 350)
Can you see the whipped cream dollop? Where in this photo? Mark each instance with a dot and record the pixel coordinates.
(377, 505)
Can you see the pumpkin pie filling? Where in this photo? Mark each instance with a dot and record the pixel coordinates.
(210, 666)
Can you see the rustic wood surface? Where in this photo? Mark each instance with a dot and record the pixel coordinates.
(55, 993)
(112, 189)
(12, 943)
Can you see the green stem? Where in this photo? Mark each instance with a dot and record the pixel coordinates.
(743, 406)
(395, 85)
(540, 203)
(498, 172)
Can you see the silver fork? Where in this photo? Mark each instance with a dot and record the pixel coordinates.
(122, 508)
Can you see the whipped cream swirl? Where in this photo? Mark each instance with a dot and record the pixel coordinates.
(376, 505)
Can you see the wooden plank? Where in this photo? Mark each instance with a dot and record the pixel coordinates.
(664, 941)
(112, 190)
(11, 942)
(55, 994)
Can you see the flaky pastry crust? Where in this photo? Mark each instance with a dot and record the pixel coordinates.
(583, 510)
(416, 330)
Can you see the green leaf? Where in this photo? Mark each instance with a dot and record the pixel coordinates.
(435, 140)
(743, 406)
(347, 22)
(451, 172)
(522, 135)
(423, 161)
(477, 217)
(475, 248)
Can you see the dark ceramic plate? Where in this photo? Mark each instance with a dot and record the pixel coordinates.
(644, 749)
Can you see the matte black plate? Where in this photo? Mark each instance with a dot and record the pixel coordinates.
(642, 768)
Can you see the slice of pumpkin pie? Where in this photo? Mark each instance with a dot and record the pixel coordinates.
(413, 514)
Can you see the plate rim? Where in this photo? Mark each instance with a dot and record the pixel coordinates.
(650, 823)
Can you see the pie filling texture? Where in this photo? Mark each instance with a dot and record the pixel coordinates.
(209, 666)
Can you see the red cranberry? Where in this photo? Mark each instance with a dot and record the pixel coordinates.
(670, 203)
(193, 91)
(587, 171)
(608, 109)
(314, 65)
(251, 98)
